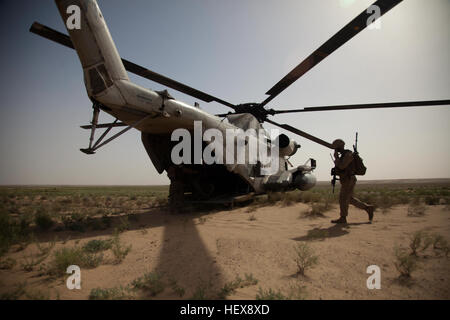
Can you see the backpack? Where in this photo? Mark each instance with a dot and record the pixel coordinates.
(360, 168)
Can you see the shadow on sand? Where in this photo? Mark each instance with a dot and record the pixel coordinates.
(183, 255)
(336, 230)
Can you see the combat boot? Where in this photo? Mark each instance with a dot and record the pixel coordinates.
(370, 210)
(340, 220)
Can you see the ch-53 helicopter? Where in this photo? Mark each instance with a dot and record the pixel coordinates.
(157, 114)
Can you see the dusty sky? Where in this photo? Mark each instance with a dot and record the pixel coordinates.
(236, 50)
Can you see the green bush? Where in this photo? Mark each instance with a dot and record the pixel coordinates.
(150, 282)
(305, 257)
(44, 221)
(65, 257)
(274, 197)
(75, 222)
(116, 293)
(416, 210)
(12, 231)
(317, 210)
(440, 244)
(405, 263)
(7, 264)
(94, 246)
(432, 200)
(230, 287)
(179, 291)
(270, 295)
(118, 249)
(419, 241)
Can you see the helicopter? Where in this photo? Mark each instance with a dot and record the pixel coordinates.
(157, 115)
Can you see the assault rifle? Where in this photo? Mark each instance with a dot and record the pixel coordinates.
(333, 173)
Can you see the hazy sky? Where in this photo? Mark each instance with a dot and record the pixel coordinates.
(235, 50)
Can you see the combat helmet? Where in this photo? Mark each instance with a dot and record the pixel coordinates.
(338, 144)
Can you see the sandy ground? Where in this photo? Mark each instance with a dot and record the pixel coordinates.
(212, 249)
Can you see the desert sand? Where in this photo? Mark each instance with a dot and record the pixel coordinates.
(210, 250)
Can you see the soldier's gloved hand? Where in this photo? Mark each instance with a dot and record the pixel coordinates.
(336, 154)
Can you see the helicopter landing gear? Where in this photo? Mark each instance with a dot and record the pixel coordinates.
(94, 125)
(176, 189)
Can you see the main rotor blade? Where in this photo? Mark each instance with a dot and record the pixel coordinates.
(367, 106)
(301, 133)
(335, 42)
(63, 39)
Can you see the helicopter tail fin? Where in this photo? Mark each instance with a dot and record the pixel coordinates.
(96, 50)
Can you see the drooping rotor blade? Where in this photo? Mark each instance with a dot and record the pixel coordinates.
(301, 133)
(346, 33)
(105, 125)
(366, 106)
(63, 39)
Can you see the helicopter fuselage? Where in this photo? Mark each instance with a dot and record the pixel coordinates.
(157, 115)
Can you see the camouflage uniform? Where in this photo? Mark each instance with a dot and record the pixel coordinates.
(345, 169)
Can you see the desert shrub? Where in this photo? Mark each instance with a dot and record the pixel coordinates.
(230, 287)
(402, 199)
(289, 198)
(44, 221)
(100, 211)
(65, 201)
(432, 200)
(118, 249)
(7, 264)
(124, 224)
(202, 291)
(106, 221)
(270, 295)
(116, 293)
(133, 217)
(94, 246)
(65, 257)
(309, 196)
(16, 293)
(405, 263)
(384, 202)
(150, 282)
(304, 258)
(44, 251)
(179, 291)
(416, 210)
(29, 263)
(12, 231)
(440, 244)
(161, 201)
(297, 292)
(37, 295)
(316, 210)
(75, 222)
(274, 197)
(419, 241)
